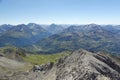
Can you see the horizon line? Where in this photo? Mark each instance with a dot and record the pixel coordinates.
(59, 23)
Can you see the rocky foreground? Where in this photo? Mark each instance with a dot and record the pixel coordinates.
(80, 65)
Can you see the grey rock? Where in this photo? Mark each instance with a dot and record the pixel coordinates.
(43, 67)
(84, 65)
(80, 65)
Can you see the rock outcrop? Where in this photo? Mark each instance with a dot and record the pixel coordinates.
(44, 67)
(80, 65)
(84, 65)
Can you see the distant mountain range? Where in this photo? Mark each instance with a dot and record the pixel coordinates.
(21, 35)
(80, 52)
(55, 38)
(4, 28)
(91, 37)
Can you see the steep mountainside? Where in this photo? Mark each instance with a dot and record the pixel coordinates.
(4, 28)
(80, 65)
(9, 67)
(22, 35)
(91, 37)
(13, 53)
(84, 65)
(54, 29)
(56, 38)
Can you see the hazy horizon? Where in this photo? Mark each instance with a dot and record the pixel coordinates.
(55, 24)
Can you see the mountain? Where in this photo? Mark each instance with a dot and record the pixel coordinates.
(91, 37)
(112, 28)
(56, 38)
(13, 53)
(10, 67)
(38, 32)
(54, 29)
(4, 28)
(80, 65)
(84, 49)
(84, 65)
(22, 35)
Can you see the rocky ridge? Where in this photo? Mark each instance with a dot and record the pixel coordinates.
(80, 65)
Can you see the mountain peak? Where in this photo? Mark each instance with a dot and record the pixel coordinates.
(93, 24)
(53, 24)
(82, 64)
(82, 51)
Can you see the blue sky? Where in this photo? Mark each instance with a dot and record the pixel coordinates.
(60, 11)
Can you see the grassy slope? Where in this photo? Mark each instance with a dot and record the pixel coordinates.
(21, 55)
(42, 58)
(9, 67)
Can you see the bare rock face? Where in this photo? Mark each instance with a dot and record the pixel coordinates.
(80, 65)
(84, 65)
(44, 67)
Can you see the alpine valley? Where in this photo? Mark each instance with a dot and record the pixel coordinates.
(59, 52)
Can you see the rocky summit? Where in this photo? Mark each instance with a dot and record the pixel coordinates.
(80, 65)
(84, 65)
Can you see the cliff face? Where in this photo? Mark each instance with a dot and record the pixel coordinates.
(80, 65)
